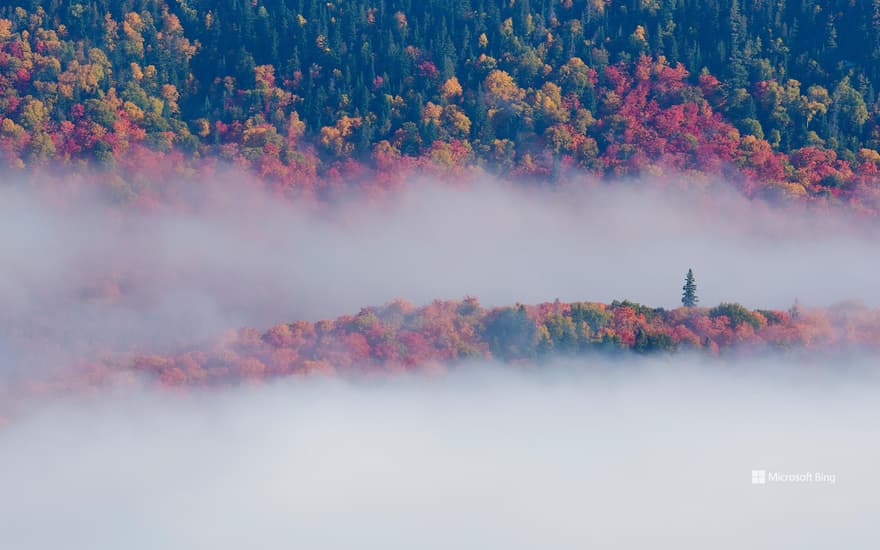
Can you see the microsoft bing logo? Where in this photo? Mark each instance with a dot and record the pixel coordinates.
(763, 477)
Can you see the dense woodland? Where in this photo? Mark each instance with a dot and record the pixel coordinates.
(316, 100)
(399, 336)
(777, 96)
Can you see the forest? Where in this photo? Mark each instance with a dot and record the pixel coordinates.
(401, 337)
(318, 98)
(319, 101)
(395, 274)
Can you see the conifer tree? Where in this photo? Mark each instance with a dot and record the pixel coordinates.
(689, 290)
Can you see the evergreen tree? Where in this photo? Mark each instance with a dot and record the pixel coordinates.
(689, 290)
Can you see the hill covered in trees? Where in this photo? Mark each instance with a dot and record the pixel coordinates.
(776, 96)
(400, 337)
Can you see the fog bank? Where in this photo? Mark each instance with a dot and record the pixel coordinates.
(655, 453)
(82, 276)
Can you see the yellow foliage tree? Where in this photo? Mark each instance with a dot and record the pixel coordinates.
(501, 88)
(456, 122)
(451, 88)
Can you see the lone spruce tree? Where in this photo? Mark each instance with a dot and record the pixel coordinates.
(689, 290)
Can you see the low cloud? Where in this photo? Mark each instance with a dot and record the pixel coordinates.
(628, 454)
(81, 276)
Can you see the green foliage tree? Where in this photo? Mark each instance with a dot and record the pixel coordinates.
(737, 314)
(510, 333)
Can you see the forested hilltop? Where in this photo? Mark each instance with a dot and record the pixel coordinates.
(778, 96)
(399, 337)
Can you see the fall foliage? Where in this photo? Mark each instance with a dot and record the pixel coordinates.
(318, 98)
(400, 336)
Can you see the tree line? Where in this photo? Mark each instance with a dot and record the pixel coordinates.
(783, 91)
(400, 336)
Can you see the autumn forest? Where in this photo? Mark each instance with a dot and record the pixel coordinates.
(316, 98)
(471, 274)
(144, 103)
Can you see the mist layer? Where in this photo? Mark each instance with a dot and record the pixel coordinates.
(628, 454)
(83, 277)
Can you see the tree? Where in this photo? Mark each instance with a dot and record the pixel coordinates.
(737, 315)
(510, 333)
(689, 290)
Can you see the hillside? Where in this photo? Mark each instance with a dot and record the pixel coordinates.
(471, 274)
(777, 97)
(399, 337)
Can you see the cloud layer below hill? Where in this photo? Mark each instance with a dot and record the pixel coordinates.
(652, 453)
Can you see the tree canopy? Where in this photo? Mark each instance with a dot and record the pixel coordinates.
(779, 96)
